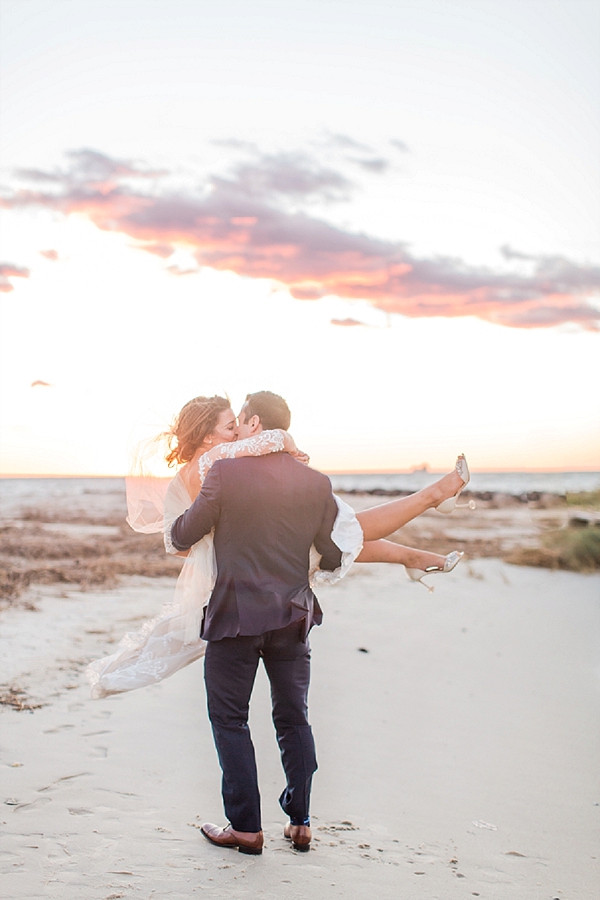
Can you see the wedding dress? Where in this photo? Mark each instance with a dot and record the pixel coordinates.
(171, 640)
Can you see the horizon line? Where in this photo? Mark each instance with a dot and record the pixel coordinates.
(486, 471)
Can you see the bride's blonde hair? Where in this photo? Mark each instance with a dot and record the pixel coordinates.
(195, 422)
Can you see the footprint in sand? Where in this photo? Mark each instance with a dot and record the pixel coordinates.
(98, 752)
(54, 784)
(35, 804)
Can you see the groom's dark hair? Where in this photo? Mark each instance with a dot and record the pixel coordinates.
(271, 409)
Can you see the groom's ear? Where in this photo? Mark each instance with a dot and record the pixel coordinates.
(253, 423)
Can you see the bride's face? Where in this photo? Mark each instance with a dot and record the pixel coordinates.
(225, 429)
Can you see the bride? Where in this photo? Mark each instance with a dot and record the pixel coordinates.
(204, 431)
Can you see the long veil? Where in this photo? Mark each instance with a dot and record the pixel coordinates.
(171, 640)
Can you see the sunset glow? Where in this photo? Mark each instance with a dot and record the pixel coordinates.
(418, 274)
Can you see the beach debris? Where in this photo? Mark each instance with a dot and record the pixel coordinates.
(515, 853)
(479, 824)
(342, 826)
(362, 650)
(16, 698)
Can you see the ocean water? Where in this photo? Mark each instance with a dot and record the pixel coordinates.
(109, 493)
(515, 483)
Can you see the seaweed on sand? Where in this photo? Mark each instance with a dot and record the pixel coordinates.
(32, 554)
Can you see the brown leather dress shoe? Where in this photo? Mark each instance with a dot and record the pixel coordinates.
(299, 835)
(245, 841)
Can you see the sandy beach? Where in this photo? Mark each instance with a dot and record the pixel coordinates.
(457, 736)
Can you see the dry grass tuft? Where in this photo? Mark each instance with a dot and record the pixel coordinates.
(586, 500)
(573, 549)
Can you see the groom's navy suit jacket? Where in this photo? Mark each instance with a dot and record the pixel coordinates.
(266, 512)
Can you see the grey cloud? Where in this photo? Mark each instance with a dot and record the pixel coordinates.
(376, 164)
(348, 143)
(291, 175)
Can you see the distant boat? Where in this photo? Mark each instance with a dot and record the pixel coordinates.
(424, 467)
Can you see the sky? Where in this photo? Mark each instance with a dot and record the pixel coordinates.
(389, 213)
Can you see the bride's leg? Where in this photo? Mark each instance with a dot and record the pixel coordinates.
(388, 551)
(381, 521)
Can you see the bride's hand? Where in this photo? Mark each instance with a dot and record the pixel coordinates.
(289, 446)
(301, 456)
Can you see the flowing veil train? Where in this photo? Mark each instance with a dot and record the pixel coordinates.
(170, 640)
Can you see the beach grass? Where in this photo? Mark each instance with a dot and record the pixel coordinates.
(575, 549)
(584, 500)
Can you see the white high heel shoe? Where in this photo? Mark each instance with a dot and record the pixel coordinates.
(451, 561)
(449, 505)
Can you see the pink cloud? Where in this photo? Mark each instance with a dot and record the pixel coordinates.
(162, 250)
(8, 271)
(347, 323)
(177, 270)
(253, 223)
(52, 255)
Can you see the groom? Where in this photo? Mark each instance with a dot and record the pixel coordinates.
(266, 512)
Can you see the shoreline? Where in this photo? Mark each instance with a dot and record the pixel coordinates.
(84, 541)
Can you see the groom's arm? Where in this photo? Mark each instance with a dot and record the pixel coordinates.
(203, 514)
(331, 555)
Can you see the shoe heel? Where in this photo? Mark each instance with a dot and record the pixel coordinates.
(250, 851)
(417, 575)
(301, 848)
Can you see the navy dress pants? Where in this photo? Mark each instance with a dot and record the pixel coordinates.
(229, 673)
